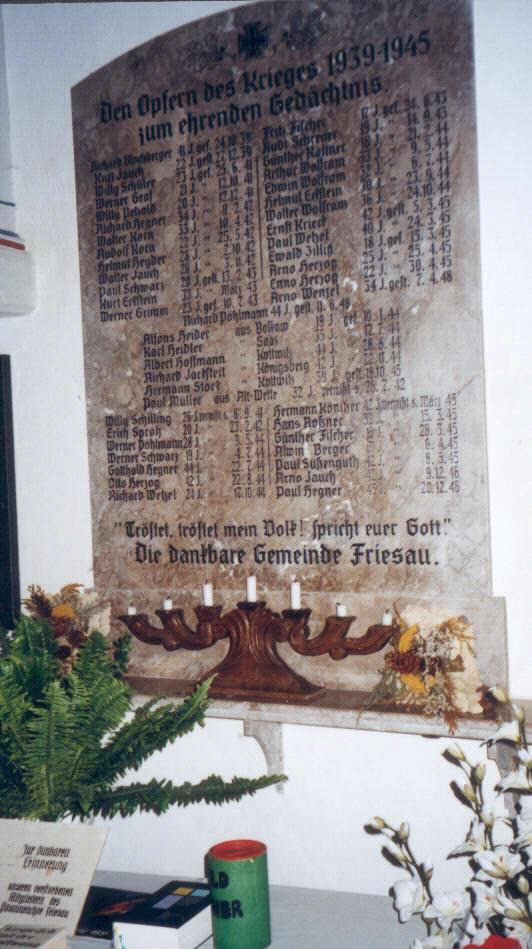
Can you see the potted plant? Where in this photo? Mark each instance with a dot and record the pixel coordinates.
(68, 732)
(495, 910)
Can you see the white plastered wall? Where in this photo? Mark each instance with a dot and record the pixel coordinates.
(7, 213)
(338, 779)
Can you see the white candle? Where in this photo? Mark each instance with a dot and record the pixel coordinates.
(131, 610)
(295, 594)
(167, 604)
(387, 618)
(207, 594)
(251, 589)
(341, 609)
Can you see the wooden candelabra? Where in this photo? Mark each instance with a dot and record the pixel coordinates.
(252, 668)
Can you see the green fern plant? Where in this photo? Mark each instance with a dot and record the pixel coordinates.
(67, 738)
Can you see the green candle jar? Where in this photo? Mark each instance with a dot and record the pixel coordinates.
(238, 877)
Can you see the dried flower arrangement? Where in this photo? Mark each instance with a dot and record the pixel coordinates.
(72, 614)
(431, 671)
(496, 905)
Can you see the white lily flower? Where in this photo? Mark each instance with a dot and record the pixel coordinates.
(508, 731)
(470, 931)
(438, 941)
(518, 712)
(484, 900)
(525, 757)
(468, 793)
(518, 930)
(520, 778)
(523, 840)
(524, 812)
(523, 823)
(408, 898)
(498, 864)
(487, 818)
(455, 752)
(474, 841)
(499, 693)
(516, 780)
(508, 907)
(446, 907)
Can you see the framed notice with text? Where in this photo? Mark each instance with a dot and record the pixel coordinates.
(45, 872)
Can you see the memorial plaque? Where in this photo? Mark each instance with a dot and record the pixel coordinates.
(278, 224)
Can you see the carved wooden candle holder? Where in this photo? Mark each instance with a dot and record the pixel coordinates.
(252, 668)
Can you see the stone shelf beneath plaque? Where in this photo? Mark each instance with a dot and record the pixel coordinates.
(331, 709)
(264, 720)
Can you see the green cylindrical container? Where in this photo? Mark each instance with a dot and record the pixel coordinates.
(238, 878)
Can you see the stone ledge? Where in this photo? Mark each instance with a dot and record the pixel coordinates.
(330, 710)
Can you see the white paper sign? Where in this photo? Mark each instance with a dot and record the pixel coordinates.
(45, 872)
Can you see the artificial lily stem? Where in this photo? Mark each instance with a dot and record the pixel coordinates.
(420, 872)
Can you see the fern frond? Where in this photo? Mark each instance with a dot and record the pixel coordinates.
(5, 642)
(93, 658)
(51, 748)
(214, 790)
(11, 805)
(157, 796)
(151, 729)
(121, 651)
(99, 701)
(98, 708)
(12, 785)
(32, 658)
(14, 710)
(94, 712)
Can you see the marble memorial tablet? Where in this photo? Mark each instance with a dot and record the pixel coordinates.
(278, 224)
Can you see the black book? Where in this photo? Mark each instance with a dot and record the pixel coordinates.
(172, 905)
(102, 906)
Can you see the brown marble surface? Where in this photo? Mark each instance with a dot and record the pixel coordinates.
(279, 251)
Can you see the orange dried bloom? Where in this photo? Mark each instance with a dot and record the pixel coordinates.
(63, 611)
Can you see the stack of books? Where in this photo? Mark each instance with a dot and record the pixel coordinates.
(177, 916)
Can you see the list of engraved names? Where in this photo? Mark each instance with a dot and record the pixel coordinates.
(256, 251)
